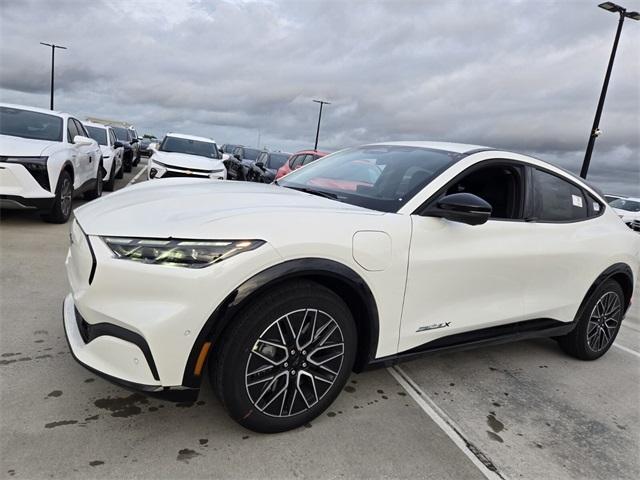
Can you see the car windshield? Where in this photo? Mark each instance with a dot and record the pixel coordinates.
(379, 177)
(122, 134)
(190, 147)
(251, 153)
(277, 160)
(626, 204)
(98, 134)
(28, 124)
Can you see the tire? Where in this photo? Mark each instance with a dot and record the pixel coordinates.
(239, 374)
(63, 203)
(111, 183)
(127, 162)
(96, 192)
(598, 325)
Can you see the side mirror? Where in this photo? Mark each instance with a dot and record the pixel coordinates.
(118, 144)
(260, 165)
(237, 156)
(134, 140)
(461, 207)
(82, 140)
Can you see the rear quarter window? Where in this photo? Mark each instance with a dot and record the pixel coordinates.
(557, 200)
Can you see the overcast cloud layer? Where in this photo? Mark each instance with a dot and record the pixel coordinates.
(520, 75)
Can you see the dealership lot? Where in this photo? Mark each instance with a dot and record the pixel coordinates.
(526, 408)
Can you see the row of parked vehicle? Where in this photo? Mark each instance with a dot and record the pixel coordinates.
(48, 157)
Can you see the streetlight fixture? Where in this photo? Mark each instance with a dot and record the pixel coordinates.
(321, 102)
(53, 59)
(595, 130)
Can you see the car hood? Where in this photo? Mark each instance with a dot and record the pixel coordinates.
(25, 147)
(626, 214)
(187, 161)
(191, 208)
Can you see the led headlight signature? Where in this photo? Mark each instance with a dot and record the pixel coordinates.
(180, 253)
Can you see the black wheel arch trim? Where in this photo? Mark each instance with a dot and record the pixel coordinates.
(330, 273)
(616, 269)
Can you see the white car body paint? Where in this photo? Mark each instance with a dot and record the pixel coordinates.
(185, 165)
(110, 153)
(420, 270)
(15, 179)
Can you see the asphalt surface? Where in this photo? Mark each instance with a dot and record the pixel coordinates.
(522, 410)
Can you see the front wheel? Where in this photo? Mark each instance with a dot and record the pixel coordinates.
(61, 210)
(598, 325)
(286, 358)
(111, 183)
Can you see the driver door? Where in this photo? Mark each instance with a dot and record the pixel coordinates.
(461, 277)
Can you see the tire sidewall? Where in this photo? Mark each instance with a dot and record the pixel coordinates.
(236, 398)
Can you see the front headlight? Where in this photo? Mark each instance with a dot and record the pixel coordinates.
(179, 253)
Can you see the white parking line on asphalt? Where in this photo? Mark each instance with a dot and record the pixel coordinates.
(628, 350)
(137, 175)
(448, 426)
(630, 327)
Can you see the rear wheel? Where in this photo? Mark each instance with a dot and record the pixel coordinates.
(599, 324)
(96, 191)
(61, 210)
(286, 358)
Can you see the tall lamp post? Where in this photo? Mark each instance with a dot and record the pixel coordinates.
(53, 60)
(321, 102)
(595, 131)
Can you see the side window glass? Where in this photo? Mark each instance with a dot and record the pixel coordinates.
(557, 200)
(72, 130)
(295, 161)
(307, 159)
(594, 206)
(80, 128)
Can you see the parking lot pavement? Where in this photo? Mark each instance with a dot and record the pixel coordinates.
(525, 408)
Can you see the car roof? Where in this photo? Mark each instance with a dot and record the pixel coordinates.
(310, 152)
(36, 109)
(190, 137)
(96, 125)
(448, 146)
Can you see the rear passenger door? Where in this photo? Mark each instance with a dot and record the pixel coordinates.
(86, 154)
(565, 218)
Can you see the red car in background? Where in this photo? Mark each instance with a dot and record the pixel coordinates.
(299, 159)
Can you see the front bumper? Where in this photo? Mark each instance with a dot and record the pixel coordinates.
(19, 189)
(109, 351)
(159, 170)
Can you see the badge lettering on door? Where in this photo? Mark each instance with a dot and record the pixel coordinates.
(434, 326)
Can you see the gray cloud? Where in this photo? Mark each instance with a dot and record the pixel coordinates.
(522, 75)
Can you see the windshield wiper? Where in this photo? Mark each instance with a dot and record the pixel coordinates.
(319, 193)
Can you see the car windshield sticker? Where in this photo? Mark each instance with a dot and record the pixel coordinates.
(577, 201)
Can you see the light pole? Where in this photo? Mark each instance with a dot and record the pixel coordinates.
(53, 60)
(595, 131)
(321, 102)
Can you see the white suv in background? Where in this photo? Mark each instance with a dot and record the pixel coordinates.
(112, 152)
(188, 156)
(46, 157)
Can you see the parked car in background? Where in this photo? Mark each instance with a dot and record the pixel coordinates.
(240, 162)
(266, 166)
(610, 197)
(299, 159)
(124, 136)
(282, 316)
(46, 157)
(628, 209)
(144, 146)
(112, 151)
(180, 155)
(229, 148)
(135, 145)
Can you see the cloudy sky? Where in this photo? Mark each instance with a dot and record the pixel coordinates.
(522, 75)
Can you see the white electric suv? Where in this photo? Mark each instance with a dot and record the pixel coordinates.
(189, 156)
(46, 158)
(112, 152)
(628, 209)
(363, 258)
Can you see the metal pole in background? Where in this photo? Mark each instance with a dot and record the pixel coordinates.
(611, 7)
(321, 102)
(53, 62)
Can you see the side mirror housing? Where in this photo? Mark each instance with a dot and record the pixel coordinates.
(237, 156)
(118, 144)
(461, 207)
(82, 140)
(260, 165)
(134, 140)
